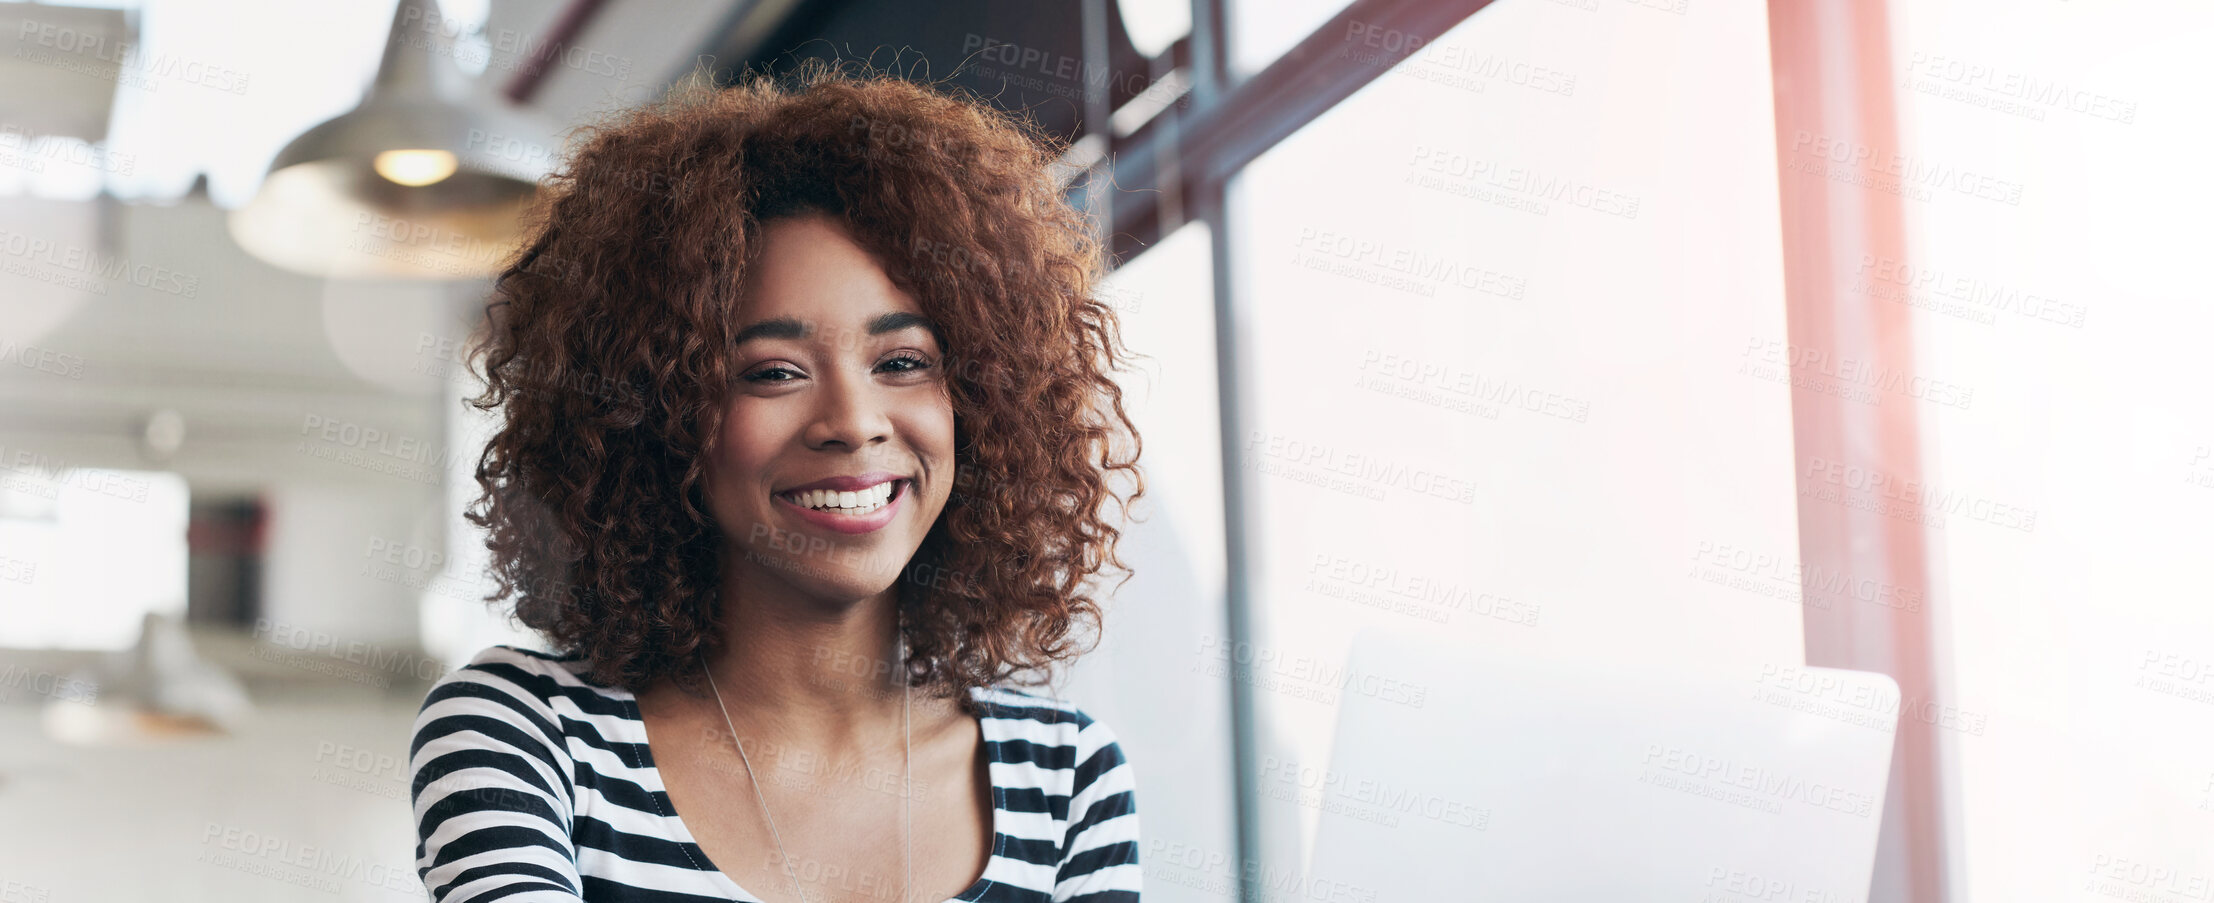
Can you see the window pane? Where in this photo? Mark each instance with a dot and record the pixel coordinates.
(2055, 196)
(1173, 714)
(1501, 307)
(1153, 25)
(1261, 30)
(87, 553)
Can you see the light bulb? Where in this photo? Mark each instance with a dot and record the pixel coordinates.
(415, 168)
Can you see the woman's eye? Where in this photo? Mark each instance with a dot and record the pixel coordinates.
(915, 362)
(905, 363)
(761, 376)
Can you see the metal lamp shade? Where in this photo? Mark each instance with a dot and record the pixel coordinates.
(325, 211)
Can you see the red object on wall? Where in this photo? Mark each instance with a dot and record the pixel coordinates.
(1833, 84)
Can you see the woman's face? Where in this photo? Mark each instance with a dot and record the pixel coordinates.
(838, 378)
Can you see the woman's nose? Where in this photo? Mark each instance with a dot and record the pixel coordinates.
(851, 411)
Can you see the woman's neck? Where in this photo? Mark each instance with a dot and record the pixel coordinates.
(819, 674)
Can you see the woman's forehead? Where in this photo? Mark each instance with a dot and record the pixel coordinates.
(821, 330)
(813, 273)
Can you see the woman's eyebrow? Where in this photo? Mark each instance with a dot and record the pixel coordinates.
(790, 328)
(773, 328)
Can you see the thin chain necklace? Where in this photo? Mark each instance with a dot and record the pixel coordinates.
(906, 762)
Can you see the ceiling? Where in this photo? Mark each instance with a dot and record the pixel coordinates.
(121, 292)
(112, 308)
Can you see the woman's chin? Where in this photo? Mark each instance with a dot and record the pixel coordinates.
(824, 576)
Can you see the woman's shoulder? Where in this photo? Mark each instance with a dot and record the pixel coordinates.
(503, 657)
(1091, 786)
(1084, 741)
(539, 690)
(539, 673)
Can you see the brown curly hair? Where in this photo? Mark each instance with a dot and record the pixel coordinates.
(607, 339)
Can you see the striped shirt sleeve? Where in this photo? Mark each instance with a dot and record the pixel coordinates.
(1099, 855)
(491, 782)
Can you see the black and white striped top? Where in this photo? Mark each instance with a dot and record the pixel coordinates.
(532, 783)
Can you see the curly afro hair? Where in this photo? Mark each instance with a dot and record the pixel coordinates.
(606, 347)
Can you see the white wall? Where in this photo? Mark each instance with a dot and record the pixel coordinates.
(338, 562)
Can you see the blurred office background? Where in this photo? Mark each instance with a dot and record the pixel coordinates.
(1704, 337)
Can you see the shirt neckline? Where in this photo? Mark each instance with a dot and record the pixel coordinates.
(651, 772)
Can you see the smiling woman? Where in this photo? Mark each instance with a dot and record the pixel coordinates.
(832, 526)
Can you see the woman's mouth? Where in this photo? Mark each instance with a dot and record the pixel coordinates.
(859, 511)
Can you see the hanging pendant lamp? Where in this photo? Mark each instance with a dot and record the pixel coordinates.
(418, 182)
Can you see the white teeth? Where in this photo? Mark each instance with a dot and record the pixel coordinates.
(860, 502)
